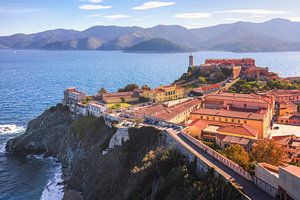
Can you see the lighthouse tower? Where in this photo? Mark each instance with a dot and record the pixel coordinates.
(191, 61)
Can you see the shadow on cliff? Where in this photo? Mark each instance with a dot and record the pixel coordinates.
(144, 167)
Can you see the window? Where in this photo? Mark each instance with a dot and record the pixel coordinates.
(232, 120)
(245, 121)
(245, 105)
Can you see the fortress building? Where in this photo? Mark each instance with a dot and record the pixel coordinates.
(244, 62)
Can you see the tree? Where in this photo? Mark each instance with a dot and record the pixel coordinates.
(129, 87)
(237, 154)
(268, 151)
(202, 80)
(102, 91)
(122, 99)
(146, 87)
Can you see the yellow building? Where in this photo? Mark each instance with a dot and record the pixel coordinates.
(164, 93)
(121, 97)
(258, 121)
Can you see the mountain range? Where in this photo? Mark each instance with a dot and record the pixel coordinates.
(269, 36)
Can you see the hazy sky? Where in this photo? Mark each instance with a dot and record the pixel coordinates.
(28, 16)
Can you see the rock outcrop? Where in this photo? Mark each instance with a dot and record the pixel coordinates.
(139, 164)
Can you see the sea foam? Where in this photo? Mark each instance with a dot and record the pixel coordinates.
(54, 190)
(7, 129)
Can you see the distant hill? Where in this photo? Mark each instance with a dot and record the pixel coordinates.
(273, 35)
(156, 45)
(88, 43)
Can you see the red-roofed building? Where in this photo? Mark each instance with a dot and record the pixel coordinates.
(205, 89)
(118, 97)
(244, 62)
(195, 127)
(291, 144)
(73, 96)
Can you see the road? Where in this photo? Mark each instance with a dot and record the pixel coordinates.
(251, 190)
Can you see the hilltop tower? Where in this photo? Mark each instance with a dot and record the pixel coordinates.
(191, 61)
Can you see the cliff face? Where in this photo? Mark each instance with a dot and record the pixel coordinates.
(100, 162)
(44, 134)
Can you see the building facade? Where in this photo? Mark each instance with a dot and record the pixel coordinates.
(164, 93)
(73, 96)
(121, 97)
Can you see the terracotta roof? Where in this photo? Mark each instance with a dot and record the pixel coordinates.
(286, 139)
(236, 140)
(167, 113)
(253, 98)
(131, 94)
(279, 93)
(228, 113)
(229, 61)
(243, 130)
(206, 88)
(74, 91)
(198, 123)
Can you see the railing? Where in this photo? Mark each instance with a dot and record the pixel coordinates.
(227, 162)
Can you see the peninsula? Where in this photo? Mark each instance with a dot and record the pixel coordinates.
(226, 129)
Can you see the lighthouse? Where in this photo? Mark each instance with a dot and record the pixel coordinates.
(191, 61)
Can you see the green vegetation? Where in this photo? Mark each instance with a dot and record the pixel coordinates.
(295, 164)
(88, 127)
(195, 77)
(118, 105)
(174, 177)
(129, 87)
(102, 91)
(252, 86)
(59, 107)
(268, 151)
(239, 155)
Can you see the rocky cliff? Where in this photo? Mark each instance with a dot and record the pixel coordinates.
(137, 163)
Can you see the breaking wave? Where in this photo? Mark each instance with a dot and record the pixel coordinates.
(54, 190)
(7, 129)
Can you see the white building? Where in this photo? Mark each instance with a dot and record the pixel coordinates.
(96, 109)
(267, 178)
(289, 183)
(282, 182)
(72, 96)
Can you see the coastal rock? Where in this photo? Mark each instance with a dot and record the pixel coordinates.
(141, 164)
(44, 135)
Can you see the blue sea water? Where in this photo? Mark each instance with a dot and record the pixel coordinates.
(31, 81)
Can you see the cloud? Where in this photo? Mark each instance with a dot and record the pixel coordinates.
(113, 17)
(254, 11)
(233, 19)
(192, 15)
(153, 4)
(93, 7)
(294, 19)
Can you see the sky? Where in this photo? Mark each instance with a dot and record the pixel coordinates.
(30, 16)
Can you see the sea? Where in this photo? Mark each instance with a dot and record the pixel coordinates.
(32, 81)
